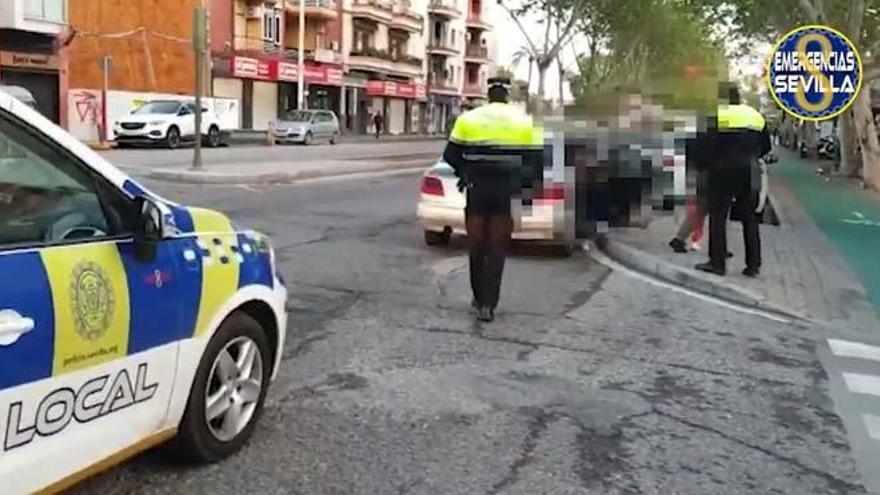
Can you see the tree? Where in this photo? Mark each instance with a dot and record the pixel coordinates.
(753, 20)
(522, 54)
(566, 14)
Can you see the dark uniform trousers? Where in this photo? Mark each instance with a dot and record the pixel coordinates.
(726, 186)
(489, 227)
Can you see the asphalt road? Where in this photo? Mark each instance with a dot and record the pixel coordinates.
(244, 155)
(590, 381)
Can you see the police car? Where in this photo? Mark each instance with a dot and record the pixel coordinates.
(126, 320)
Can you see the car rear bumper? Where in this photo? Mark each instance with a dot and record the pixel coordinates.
(538, 226)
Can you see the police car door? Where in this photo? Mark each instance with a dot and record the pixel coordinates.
(81, 374)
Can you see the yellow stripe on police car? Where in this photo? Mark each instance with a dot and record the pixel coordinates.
(220, 263)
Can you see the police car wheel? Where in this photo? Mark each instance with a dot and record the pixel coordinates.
(228, 391)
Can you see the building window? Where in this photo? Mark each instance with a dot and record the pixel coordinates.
(272, 19)
(46, 10)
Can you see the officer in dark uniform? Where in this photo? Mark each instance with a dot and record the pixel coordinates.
(493, 150)
(734, 174)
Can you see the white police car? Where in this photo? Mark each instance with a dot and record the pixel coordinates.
(125, 320)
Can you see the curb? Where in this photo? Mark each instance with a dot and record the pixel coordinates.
(208, 177)
(642, 262)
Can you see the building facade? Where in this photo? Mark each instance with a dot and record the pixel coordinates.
(32, 36)
(415, 63)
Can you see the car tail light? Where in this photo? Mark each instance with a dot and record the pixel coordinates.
(553, 192)
(432, 185)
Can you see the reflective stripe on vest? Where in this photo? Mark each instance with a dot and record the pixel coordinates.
(739, 117)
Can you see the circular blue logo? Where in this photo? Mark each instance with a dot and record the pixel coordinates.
(814, 73)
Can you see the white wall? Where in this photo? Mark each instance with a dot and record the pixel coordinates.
(12, 17)
(84, 109)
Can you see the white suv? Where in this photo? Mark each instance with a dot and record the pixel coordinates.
(166, 122)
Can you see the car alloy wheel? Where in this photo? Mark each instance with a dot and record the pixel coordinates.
(173, 138)
(233, 389)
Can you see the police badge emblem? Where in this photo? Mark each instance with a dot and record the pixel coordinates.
(92, 300)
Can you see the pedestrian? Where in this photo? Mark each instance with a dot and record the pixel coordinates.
(492, 149)
(377, 123)
(738, 142)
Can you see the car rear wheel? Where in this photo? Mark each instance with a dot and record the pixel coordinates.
(172, 139)
(333, 138)
(436, 238)
(228, 391)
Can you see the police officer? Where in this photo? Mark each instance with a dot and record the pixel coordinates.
(739, 141)
(493, 149)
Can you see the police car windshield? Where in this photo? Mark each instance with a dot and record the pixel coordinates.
(298, 116)
(158, 107)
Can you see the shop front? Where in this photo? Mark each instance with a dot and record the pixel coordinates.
(268, 87)
(39, 74)
(323, 89)
(398, 103)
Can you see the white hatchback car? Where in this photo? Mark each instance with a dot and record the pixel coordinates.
(126, 320)
(441, 210)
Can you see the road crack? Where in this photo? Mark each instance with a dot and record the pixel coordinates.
(835, 483)
(592, 352)
(539, 423)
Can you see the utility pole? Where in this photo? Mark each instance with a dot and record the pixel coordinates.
(301, 57)
(105, 78)
(199, 39)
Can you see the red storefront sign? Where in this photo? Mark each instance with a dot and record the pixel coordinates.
(392, 89)
(314, 74)
(253, 68)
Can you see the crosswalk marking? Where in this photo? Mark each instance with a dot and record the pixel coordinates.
(845, 348)
(862, 384)
(872, 423)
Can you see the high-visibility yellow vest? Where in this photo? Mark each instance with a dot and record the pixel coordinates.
(740, 117)
(496, 124)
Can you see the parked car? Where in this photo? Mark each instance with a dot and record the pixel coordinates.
(20, 94)
(168, 123)
(306, 127)
(126, 320)
(441, 210)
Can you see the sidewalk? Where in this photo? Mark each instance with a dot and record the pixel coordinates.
(277, 172)
(250, 137)
(822, 263)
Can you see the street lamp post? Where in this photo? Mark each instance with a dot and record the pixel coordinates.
(301, 56)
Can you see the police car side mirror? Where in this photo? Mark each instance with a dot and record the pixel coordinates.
(148, 229)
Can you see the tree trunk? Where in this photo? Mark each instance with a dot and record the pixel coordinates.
(561, 81)
(539, 103)
(867, 139)
(529, 87)
(850, 161)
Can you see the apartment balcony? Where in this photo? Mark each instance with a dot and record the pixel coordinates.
(476, 21)
(405, 19)
(322, 10)
(442, 85)
(255, 46)
(474, 90)
(476, 54)
(380, 11)
(443, 47)
(444, 8)
(376, 60)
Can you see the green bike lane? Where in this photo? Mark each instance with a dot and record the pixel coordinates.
(846, 214)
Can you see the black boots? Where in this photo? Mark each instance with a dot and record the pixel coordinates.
(678, 245)
(485, 314)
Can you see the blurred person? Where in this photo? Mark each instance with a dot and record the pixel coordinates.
(377, 123)
(493, 150)
(738, 142)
